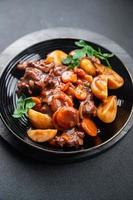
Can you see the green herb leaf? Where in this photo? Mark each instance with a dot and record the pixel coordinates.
(23, 105)
(107, 55)
(86, 50)
(67, 60)
(80, 43)
(71, 62)
(79, 53)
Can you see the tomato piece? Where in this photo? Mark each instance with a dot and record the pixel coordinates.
(80, 93)
(89, 127)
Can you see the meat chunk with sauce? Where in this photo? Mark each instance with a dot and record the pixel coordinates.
(69, 138)
(41, 64)
(32, 81)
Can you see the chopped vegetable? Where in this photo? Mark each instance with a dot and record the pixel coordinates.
(107, 110)
(39, 120)
(69, 76)
(89, 127)
(66, 117)
(36, 100)
(88, 66)
(80, 72)
(114, 79)
(60, 100)
(99, 87)
(80, 92)
(40, 135)
(56, 56)
(88, 78)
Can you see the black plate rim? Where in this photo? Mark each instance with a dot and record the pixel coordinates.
(98, 147)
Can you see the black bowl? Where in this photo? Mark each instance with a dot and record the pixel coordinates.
(109, 133)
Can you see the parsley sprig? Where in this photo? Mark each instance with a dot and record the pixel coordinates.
(86, 50)
(23, 105)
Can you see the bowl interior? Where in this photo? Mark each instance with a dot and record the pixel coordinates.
(8, 95)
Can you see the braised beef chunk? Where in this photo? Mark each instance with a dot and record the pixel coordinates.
(32, 81)
(41, 64)
(58, 70)
(89, 109)
(69, 138)
(39, 76)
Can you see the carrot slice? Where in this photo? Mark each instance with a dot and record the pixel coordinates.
(64, 86)
(66, 117)
(70, 91)
(69, 76)
(80, 72)
(80, 93)
(89, 127)
(36, 100)
(60, 100)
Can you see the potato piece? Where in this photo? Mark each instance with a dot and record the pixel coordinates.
(88, 66)
(114, 79)
(56, 56)
(107, 110)
(99, 87)
(40, 135)
(39, 120)
(80, 72)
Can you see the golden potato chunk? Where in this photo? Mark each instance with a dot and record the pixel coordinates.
(87, 65)
(39, 120)
(107, 110)
(40, 135)
(56, 56)
(99, 87)
(114, 80)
